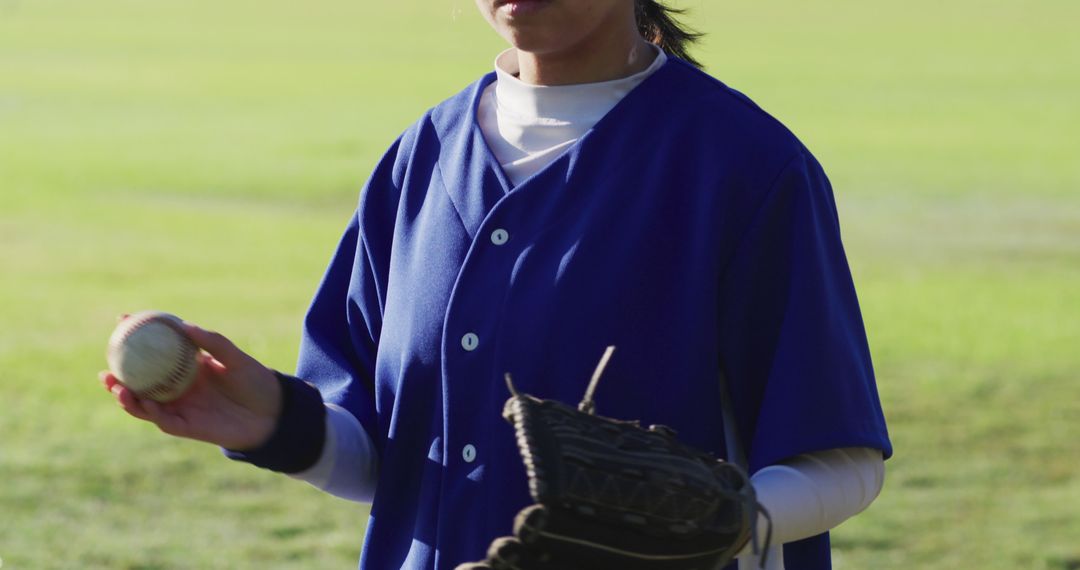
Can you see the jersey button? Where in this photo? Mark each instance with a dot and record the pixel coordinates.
(468, 453)
(470, 341)
(500, 236)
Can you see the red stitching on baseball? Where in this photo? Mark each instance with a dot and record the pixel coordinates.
(184, 360)
(183, 364)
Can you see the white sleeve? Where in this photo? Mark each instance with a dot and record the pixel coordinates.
(812, 493)
(348, 466)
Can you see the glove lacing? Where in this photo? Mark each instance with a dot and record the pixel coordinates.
(758, 549)
(588, 406)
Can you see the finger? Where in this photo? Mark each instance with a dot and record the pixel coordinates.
(212, 364)
(165, 418)
(129, 402)
(149, 410)
(209, 374)
(153, 410)
(107, 379)
(220, 347)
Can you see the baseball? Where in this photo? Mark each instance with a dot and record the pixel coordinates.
(150, 355)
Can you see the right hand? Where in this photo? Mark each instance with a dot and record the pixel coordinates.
(234, 401)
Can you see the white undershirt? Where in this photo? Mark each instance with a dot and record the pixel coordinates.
(527, 127)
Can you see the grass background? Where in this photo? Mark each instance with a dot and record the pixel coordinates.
(202, 157)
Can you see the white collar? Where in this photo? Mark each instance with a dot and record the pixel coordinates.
(587, 102)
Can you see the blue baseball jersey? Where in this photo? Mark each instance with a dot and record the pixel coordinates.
(688, 228)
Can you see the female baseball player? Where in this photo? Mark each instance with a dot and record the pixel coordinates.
(596, 189)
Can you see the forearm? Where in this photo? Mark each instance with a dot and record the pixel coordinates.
(323, 444)
(813, 493)
(348, 464)
(299, 432)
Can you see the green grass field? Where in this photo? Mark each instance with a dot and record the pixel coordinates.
(202, 157)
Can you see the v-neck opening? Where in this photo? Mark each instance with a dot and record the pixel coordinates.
(492, 162)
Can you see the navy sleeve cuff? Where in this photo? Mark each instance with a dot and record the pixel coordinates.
(298, 438)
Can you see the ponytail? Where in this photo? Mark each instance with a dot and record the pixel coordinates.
(657, 24)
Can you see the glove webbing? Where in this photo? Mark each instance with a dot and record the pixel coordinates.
(732, 441)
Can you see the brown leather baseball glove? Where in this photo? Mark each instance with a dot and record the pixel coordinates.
(611, 494)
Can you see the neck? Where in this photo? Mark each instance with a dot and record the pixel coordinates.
(603, 57)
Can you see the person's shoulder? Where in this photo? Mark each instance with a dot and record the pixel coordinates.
(455, 112)
(419, 146)
(425, 136)
(727, 117)
(448, 118)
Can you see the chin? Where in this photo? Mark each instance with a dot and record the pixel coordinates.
(530, 43)
(540, 39)
(547, 28)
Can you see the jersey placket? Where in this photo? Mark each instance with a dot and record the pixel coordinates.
(472, 394)
(503, 223)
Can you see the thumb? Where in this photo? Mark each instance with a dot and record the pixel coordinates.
(221, 348)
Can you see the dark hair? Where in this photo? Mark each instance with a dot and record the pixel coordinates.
(657, 24)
